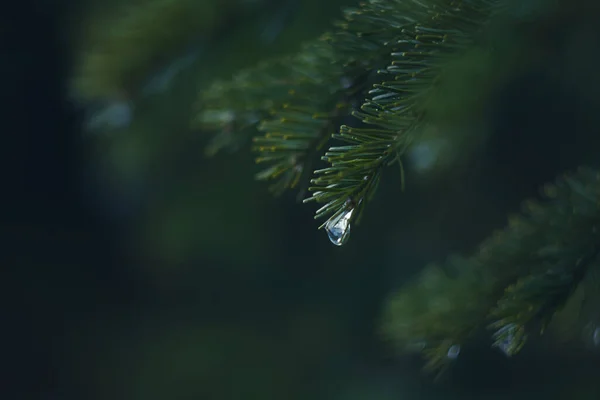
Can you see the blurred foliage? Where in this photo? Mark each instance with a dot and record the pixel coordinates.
(516, 282)
(269, 310)
(142, 35)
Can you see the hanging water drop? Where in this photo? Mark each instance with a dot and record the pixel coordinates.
(505, 346)
(338, 228)
(596, 337)
(453, 351)
(505, 339)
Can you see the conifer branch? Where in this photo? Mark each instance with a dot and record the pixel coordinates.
(299, 128)
(234, 108)
(423, 36)
(296, 103)
(515, 284)
(291, 100)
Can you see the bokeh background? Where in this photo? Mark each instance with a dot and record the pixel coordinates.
(138, 268)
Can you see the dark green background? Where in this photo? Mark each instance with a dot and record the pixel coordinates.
(139, 269)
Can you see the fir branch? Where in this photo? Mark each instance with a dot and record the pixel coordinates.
(515, 284)
(562, 264)
(314, 83)
(423, 40)
(292, 137)
(300, 127)
(232, 108)
(575, 323)
(295, 102)
(298, 102)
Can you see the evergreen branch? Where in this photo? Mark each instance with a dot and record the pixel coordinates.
(292, 136)
(579, 318)
(367, 35)
(562, 264)
(296, 103)
(298, 129)
(423, 41)
(530, 304)
(518, 281)
(314, 82)
(235, 107)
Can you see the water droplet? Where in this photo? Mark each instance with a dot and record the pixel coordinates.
(454, 351)
(506, 344)
(596, 337)
(338, 228)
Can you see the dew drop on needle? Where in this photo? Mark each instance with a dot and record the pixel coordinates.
(338, 228)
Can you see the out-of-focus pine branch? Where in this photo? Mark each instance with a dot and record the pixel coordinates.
(515, 285)
(427, 34)
(294, 102)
